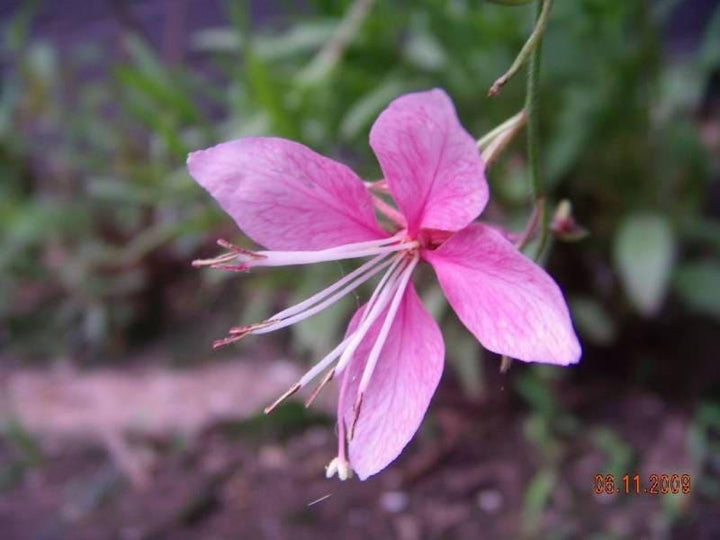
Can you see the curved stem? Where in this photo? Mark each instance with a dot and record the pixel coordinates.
(532, 45)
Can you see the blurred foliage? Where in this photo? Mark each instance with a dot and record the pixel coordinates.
(99, 219)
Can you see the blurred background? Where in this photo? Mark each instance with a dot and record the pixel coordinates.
(119, 421)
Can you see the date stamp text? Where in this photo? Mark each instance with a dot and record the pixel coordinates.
(635, 484)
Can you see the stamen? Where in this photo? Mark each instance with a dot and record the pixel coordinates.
(226, 341)
(320, 386)
(391, 273)
(294, 388)
(248, 258)
(237, 249)
(225, 257)
(243, 331)
(382, 338)
(377, 303)
(297, 308)
(324, 363)
(325, 303)
(289, 258)
(372, 313)
(239, 332)
(234, 253)
(356, 411)
(281, 320)
(231, 267)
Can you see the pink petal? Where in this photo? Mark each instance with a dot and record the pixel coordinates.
(508, 302)
(431, 164)
(405, 378)
(285, 196)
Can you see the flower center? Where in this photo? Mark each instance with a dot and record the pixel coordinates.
(432, 239)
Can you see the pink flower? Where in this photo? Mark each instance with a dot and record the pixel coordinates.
(307, 208)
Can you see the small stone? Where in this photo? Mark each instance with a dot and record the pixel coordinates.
(273, 457)
(490, 501)
(394, 502)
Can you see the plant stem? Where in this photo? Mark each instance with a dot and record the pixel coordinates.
(532, 102)
(531, 45)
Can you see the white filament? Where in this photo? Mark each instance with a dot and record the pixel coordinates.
(385, 329)
(383, 299)
(377, 300)
(302, 315)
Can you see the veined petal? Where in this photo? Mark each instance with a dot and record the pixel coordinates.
(405, 378)
(285, 196)
(430, 162)
(508, 302)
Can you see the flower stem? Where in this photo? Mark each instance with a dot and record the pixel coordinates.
(532, 102)
(529, 49)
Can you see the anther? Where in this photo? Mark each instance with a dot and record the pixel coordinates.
(242, 331)
(319, 387)
(226, 341)
(356, 409)
(240, 251)
(294, 388)
(225, 257)
(231, 267)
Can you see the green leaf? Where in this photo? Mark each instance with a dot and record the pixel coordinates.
(644, 252)
(698, 284)
(537, 496)
(303, 38)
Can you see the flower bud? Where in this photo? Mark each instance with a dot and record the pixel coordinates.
(564, 226)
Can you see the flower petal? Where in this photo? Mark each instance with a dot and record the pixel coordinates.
(508, 302)
(432, 165)
(285, 196)
(405, 378)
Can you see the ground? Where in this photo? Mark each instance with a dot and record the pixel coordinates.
(488, 467)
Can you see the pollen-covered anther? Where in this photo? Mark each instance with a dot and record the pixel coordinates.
(339, 466)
